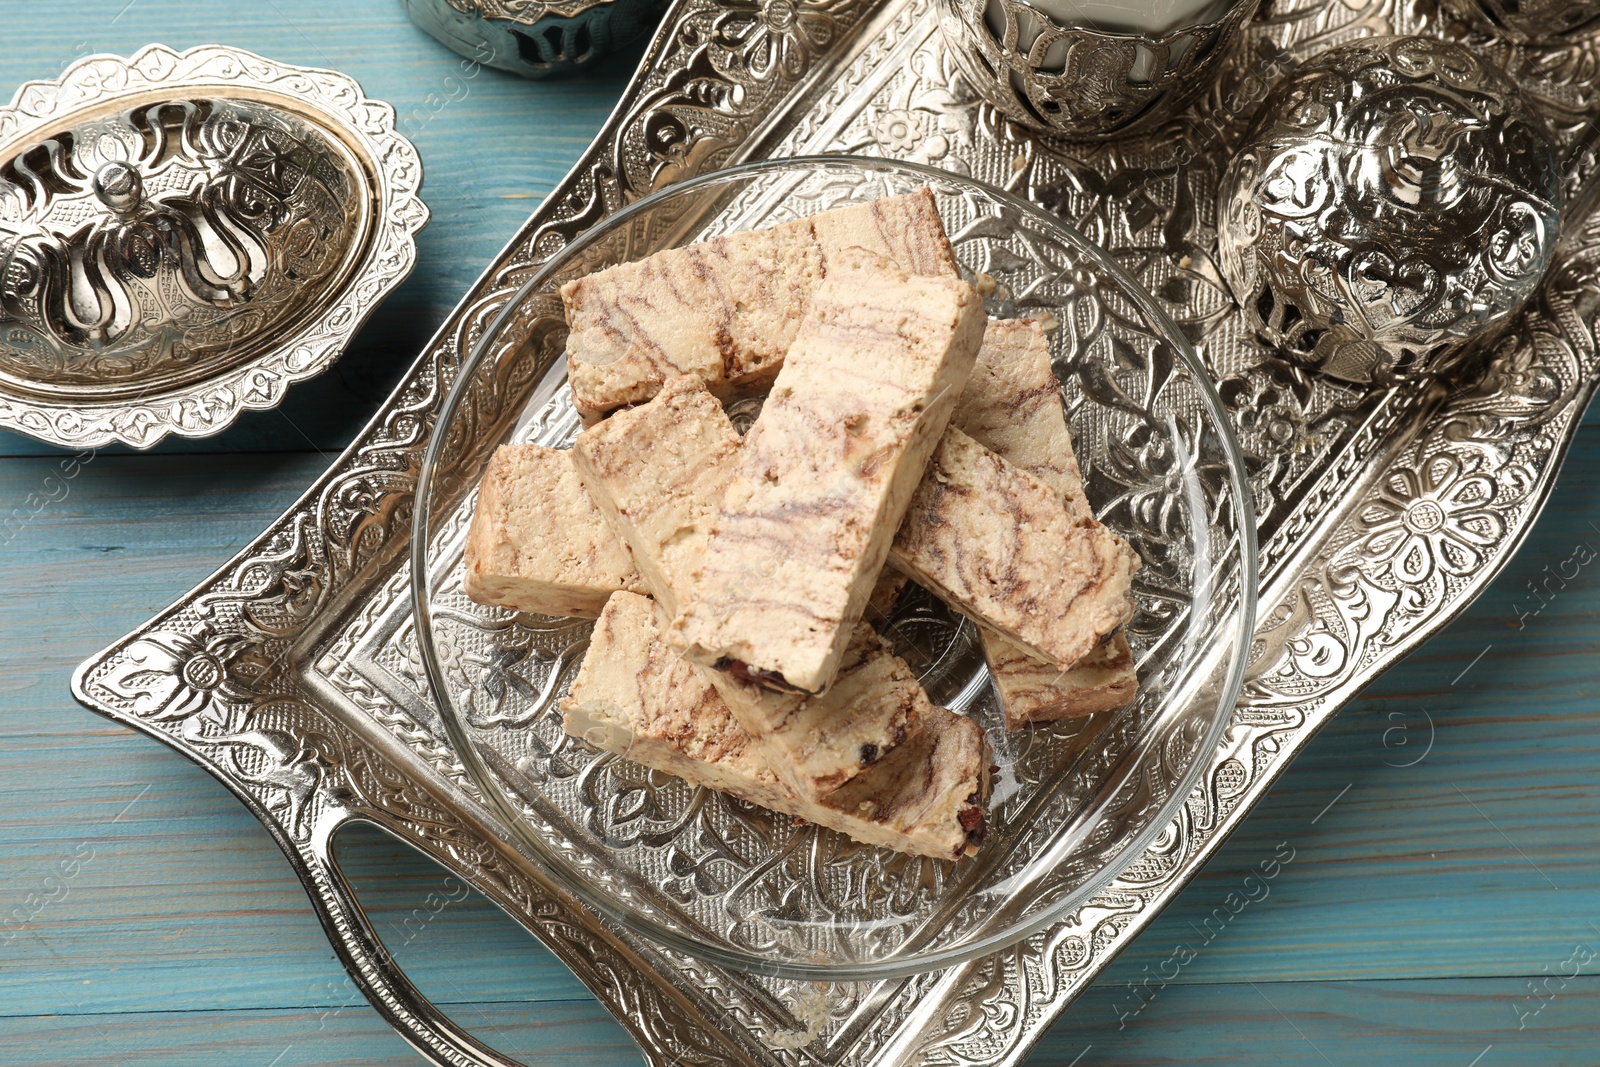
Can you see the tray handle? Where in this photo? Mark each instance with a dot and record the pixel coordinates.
(376, 974)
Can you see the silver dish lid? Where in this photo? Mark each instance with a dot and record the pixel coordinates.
(185, 234)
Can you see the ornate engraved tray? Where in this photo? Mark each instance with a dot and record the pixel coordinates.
(292, 674)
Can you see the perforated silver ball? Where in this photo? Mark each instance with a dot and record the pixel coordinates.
(1396, 197)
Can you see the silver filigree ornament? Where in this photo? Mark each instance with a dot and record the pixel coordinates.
(1532, 20)
(1082, 82)
(536, 38)
(182, 235)
(1397, 198)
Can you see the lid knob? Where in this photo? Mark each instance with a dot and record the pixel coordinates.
(119, 187)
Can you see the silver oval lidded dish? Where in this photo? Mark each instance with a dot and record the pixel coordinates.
(185, 234)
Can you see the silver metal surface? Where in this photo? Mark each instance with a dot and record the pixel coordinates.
(182, 235)
(535, 38)
(1533, 20)
(710, 876)
(1080, 82)
(1397, 199)
(1383, 512)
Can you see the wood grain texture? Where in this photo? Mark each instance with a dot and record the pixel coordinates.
(340, 1034)
(1420, 1023)
(1405, 930)
(184, 906)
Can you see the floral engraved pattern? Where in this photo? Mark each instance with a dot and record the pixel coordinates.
(510, 680)
(210, 687)
(777, 37)
(922, 120)
(171, 676)
(630, 805)
(1433, 517)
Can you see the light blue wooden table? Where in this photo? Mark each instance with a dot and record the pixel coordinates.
(1442, 906)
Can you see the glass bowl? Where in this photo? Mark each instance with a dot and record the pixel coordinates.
(1075, 803)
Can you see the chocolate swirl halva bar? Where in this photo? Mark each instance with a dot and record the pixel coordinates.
(658, 472)
(996, 543)
(826, 472)
(636, 697)
(1034, 691)
(727, 310)
(1012, 406)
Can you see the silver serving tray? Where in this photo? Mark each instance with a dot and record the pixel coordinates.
(291, 674)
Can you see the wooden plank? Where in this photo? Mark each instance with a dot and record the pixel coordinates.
(164, 864)
(480, 187)
(1434, 1023)
(1421, 1023)
(160, 925)
(339, 1034)
(186, 904)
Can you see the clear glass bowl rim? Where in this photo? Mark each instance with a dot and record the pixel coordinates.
(915, 962)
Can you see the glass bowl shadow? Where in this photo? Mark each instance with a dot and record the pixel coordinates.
(1076, 803)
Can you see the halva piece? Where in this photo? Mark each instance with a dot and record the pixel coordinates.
(727, 310)
(826, 472)
(1033, 691)
(537, 542)
(636, 697)
(996, 544)
(1012, 406)
(659, 472)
